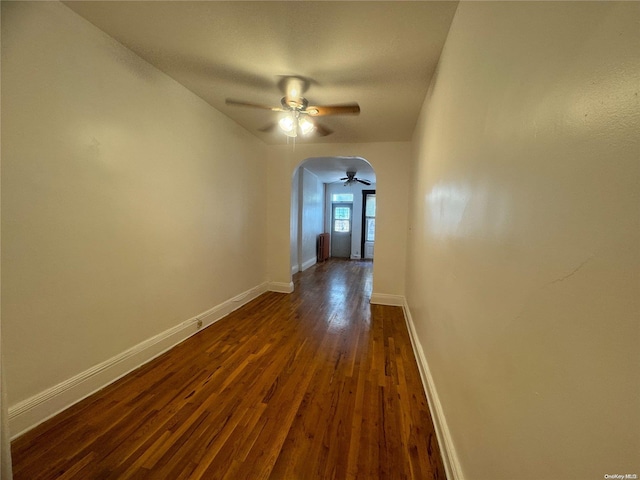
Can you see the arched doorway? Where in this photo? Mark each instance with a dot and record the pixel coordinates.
(323, 203)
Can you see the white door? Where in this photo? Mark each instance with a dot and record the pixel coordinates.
(341, 222)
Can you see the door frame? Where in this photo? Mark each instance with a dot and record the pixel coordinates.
(364, 218)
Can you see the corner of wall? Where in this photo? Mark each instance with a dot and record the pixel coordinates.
(387, 299)
(310, 262)
(280, 287)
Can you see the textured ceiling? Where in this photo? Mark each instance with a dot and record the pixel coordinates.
(379, 54)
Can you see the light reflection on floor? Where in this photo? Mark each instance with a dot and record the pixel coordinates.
(345, 285)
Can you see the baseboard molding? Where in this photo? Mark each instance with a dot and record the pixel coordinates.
(280, 287)
(449, 455)
(309, 263)
(387, 299)
(33, 411)
(295, 269)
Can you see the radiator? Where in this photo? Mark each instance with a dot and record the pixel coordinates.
(323, 247)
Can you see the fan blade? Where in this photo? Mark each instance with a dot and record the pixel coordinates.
(345, 178)
(323, 131)
(366, 182)
(268, 128)
(239, 103)
(319, 110)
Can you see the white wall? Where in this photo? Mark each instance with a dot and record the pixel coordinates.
(129, 205)
(294, 222)
(311, 217)
(307, 218)
(524, 238)
(391, 162)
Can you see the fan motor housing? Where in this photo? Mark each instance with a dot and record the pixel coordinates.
(294, 103)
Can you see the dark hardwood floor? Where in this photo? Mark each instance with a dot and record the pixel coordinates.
(318, 384)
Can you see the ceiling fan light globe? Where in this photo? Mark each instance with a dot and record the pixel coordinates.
(288, 125)
(306, 126)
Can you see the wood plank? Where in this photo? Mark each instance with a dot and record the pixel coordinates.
(318, 384)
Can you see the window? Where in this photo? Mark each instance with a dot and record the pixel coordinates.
(371, 205)
(342, 197)
(370, 217)
(371, 229)
(342, 219)
(341, 226)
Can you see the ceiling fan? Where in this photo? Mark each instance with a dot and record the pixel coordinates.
(296, 109)
(351, 179)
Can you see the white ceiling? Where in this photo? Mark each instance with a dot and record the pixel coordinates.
(331, 169)
(379, 54)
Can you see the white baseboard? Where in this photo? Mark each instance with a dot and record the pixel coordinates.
(280, 287)
(449, 456)
(31, 412)
(309, 263)
(295, 269)
(387, 299)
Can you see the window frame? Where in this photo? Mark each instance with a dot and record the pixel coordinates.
(363, 239)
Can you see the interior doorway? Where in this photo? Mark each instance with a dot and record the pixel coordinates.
(318, 183)
(341, 227)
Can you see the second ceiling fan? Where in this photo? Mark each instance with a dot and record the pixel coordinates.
(351, 179)
(297, 110)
